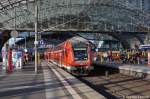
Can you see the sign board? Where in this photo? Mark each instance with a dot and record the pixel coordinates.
(149, 58)
(42, 42)
(14, 33)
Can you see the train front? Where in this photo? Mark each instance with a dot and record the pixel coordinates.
(81, 56)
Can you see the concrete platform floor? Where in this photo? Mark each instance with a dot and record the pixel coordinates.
(50, 82)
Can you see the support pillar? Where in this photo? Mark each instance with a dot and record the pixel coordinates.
(36, 35)
(4, 57)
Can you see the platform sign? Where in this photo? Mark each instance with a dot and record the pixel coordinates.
(149, 58)
(42, 42)
(14, 33)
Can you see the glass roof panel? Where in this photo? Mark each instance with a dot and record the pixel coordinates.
(85, 14)
(0, 6)
(4, 2)
(13, 1)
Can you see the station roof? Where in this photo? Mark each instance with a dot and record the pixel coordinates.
(77, 15)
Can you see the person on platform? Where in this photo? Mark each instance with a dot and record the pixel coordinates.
(26, 57)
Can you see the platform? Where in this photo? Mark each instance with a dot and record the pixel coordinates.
(130, 69)
(51, 82)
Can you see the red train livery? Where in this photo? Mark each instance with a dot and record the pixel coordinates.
(74, 55)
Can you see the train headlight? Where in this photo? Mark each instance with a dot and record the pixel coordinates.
(87, 67)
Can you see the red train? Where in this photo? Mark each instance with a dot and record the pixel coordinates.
(74, 54)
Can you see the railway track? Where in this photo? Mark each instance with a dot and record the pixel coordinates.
(113, 85)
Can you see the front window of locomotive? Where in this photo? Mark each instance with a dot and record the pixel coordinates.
(80, 51)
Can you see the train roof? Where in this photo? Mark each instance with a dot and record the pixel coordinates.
(79, 39)
(74, 40)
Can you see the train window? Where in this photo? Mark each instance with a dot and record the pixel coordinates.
(80, 54)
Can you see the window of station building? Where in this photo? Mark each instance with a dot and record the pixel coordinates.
(106, 45)
(115, 45)
(130, 1)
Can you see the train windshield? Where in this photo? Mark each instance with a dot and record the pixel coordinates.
(80, 48)
(80, 54)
